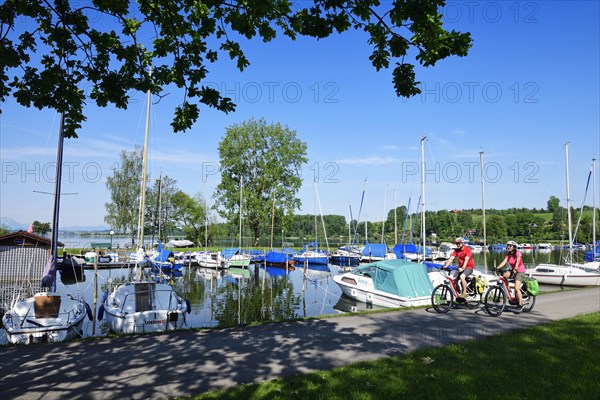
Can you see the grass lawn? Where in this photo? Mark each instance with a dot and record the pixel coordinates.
(558, 360)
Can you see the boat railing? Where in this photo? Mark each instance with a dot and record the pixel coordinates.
(43, 321)
(153, 301)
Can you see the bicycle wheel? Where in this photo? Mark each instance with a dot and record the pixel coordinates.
(528, 302)
(495, 301)
(473, 301)
(442, 298)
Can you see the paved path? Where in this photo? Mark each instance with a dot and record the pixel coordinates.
(187, 363)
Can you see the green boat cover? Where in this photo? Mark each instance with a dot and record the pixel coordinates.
(399, 277)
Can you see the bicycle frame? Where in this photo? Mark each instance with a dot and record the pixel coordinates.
(446, 293)
(510, 292)
(450, 281)
(496, 297)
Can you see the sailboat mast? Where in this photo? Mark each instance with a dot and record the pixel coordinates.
(594, 209)
(568, 202)
(241, 199)
(57, 187)
(206, 217)
(366, 219)
(384, 216)
(273, 221)
(349, 224)
(159, 206)
(395, 219)
(483, 208)
(144, 166)
(423, 238)
(322, 220)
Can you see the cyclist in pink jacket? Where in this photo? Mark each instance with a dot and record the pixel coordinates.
(514, 259)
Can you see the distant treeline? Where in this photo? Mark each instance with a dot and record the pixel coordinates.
(520, 224)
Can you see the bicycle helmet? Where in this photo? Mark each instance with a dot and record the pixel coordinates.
(511, 243)
(459, 240)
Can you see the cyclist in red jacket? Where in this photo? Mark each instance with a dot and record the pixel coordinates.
(465, 263)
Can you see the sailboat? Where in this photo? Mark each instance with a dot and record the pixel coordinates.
(233, 257)
(569, 274)
(48, 316)
(142, 305)
(311, 254)
(348, 255)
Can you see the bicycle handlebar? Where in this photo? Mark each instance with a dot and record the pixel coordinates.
(449, 267)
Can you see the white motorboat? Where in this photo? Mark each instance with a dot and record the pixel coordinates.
(208, 259)
(388, 283)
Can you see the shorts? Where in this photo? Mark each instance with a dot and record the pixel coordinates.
(466, 272)
(519, 276)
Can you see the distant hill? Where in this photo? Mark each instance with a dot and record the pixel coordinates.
(93, 228)
(16, 225)
(12, 224)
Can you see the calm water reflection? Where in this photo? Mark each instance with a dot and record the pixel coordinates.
(227, 298)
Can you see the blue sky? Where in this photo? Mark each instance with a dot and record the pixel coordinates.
(529, 84)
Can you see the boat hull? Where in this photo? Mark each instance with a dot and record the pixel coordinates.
(30, 321)
(550, 274)
(143, 307)
(367, 294)
(145, 322)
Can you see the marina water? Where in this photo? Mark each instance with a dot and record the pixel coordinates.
(225, 298)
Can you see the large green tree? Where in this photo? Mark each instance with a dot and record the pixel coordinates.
(41, 228)
(553, 204)
(190, 214)
(263, 162)
(50, 50)
(122, 212)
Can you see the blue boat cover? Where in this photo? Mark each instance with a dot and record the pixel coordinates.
(277, 257)
(400, 249)
(399, 277)
(164, 256)
(375, 249)
(229, 252)
(433, 267)
(589, 255)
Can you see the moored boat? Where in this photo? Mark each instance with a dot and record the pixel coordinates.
(388, 283)
(47, 316)
(144, 306)
(564, 275)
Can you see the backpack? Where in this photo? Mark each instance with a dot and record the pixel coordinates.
(480, 284)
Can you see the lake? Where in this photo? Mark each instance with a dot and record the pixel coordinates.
(223, 298)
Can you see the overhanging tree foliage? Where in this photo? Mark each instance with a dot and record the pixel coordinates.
(264, 162)
(52, 50)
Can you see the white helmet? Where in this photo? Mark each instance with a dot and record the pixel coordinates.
(459, 240)
(511, 243)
